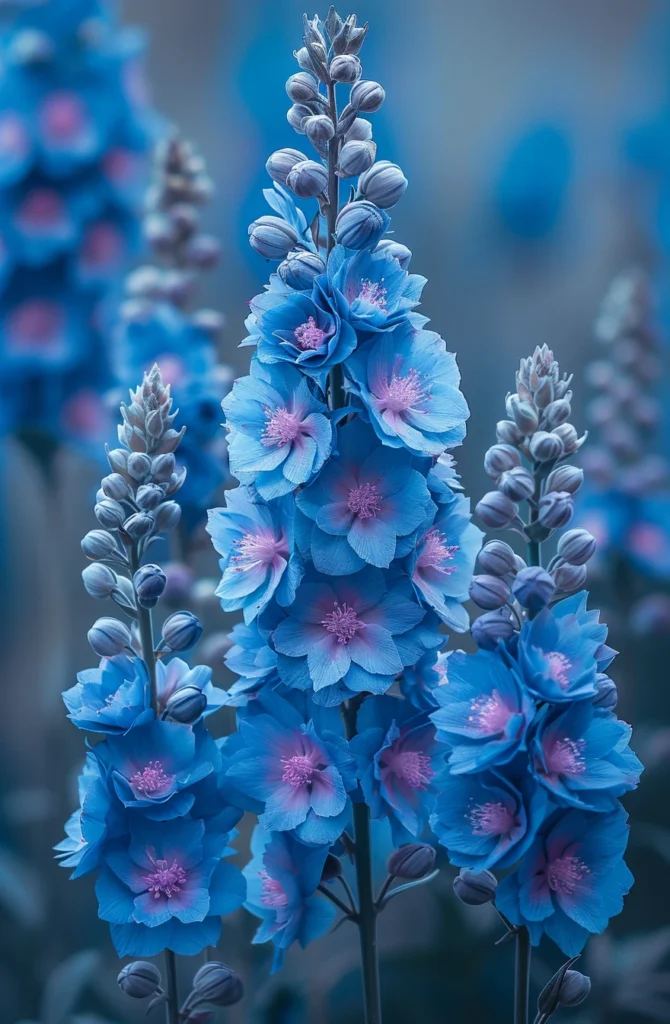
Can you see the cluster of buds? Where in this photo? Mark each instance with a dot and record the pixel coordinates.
(623, 412)
(213, 985)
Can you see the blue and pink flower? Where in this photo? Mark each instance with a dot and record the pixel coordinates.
(557, 651)
(379, 294)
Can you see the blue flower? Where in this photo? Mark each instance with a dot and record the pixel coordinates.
(571, 881)
(155, 766)
(95, 820)
(483, 713)
(252, 660)
(282, 880)
(165, 886)
(398, 758)
(379, 294)
(111, 698)
(443, 560)
(173, 674)
(418, 681)
(362, 502)
(256, 541)
(487, 820)
(408, 383)
(443, 480)
(280, 435)
(582, 756)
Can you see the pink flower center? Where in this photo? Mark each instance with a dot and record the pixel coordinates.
(343, 622)
(412, 767)
(120, 165)
(309, 336)
(273, 894)
(435, 552)
(374, 293)
(364, 501)
(565, 873)
(166, 880)
(151, 779)
(559, 666)
(13, 137)
(42, 208)
(564, 757)
(62, 117)
(172, 369)
(253, 549)
(298, 770)
(282, 428)
(491, 714)
(103, 245)
(491, 819)
(403, 392)
(35, 324)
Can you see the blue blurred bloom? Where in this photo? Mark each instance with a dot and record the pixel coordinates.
(408, 383)
(280, 435)
(111, 698)
(531, 188)
(94, 821)
(571, 881)
(252, 660)
(483, 713)
(258, 561)
(648, 536)
(379, 294)
(282, 880)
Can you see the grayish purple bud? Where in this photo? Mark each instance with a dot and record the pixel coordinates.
(302, 88)
(297, 115)
(139, 465)
(300, 268)
(139, 525)
(517, 483)
(118, 459)
(367, 96)
(569, 577)
(396, 249)
(499, 458)
(475, 888)
(204, 252)
(546, 447)
(555, 509)
(524, 414)
(149, 496)
(101, 544)
(162, 468)
(565, 478)
(308, 179)
(345, 68)
(360, 225)
(574, 989)
(355, 158)
(115, 486)
(360, 129)
(99, 580)
(495, 510)
(272, 238)
(108, 637)
(384, 184)
(569, 437)
(411, 861)
(489, 592)
(533, 588)
(607, 695)
(319, 129)
(280, 163)
(496, 558)
(186, 705)
(110, 514)
(507, 432)
(557, 412)
(167, 516)
(332, 868)
(149, 582)
(181, 631)
(492, 627)
(140, 979)
(217, 984)
(577, 547)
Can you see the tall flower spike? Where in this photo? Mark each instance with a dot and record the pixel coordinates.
(536, 758)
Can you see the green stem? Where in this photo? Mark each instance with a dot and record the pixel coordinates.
(172, 1005)
(522, 977)
(146, 634)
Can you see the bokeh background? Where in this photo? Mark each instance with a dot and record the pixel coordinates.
(536, 138)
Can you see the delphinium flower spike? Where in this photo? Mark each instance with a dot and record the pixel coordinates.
(154, 820)
(537, 759)
(348, 543)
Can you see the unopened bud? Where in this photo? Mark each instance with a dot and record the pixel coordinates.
(139, 465)
(115, 486)
(367, 96)
(577, 547)
(319, 129)
(574, 989)
(517, 483)
(489, 592)
(297, 115)
(360, 225)
(186, 705)
(300, 268)
(566, 988)
(496, 558)
(345, 68)
(533, 588)
(167, 516)
(495, 510)
(557, 412)
(384, 184)
(397, 250)
(546, 447)
(355, 157)
(110, 514)
(607, 695)
(499, 458)
(216, 984)
(149, 582)
(108, 637)
(565, 478)
(475, 888)
(99, 580)
(411, 861)
(489, 629)
(308, 179)
(140, 979)
(162, 468)
(100, 544)
(139, 525)
(149, 496)
(569, 577)
(181, 631)
(332, 868)
(280, 163)
(507, 432)
(302, 88)
(360, 129)
(569, 437)
(272, 238)
(524, 414)
(555, 509)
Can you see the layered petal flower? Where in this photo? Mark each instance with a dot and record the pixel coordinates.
(111, 698)
(378, 293)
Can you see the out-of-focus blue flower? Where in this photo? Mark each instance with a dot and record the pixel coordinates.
(408, 384)
(483, 713)
(94, 821)
(362, 502)
(648, 537)
(165, 886)
(582, 756)
(571, 881)
(531, 188)
(279, 432)
(379, 294)
(258, 561)
(111, 698)
(282, 879)
(252, 660)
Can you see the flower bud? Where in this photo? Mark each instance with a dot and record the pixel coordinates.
(319, 129)
(140, 979)
(110, 514)
(332, 868)
(561, 988)
(577, 547)
(355, 158)
(181, 631)
(569, 577)
(367, 96)
(489, 592)
(569, 437)
(411, 861)
(217, 984)
(280, 163)
(545, 447)
(167, 516)
(308, 179)
(345, 68)
(517, 483)
(557, 412)
(565, 478)
(302, 88)
(108, 637)
(507, 432)
(651, 614)
(384, 184)
(555, 509)
(100, 544)
(397, 250)
(303, 58)
(297, 115)
(162, 468)
(607, 695)
(496, 558)
(199, 1017)
(272, 238)
(499, 458)
(360, 129)
(574, 989)
(149, 582)
(204, 252)
(495, 510)
(139, 525)
(533, 588)
(360, 225)
(99, 580)
(186, 705)
(524, 414)
(475, 888)
(149, 496)
(489, 629)
(115, 486)
(139, 465)
(118, 459)
(300, 268)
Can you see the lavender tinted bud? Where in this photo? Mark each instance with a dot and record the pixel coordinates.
(495, 510)
(507, 432)
(557, 412)
(499, 458)
(565, 478)
(204, 252)
(167, 516)
(300, 268)
(332, 868)
(217, 984)
(99, 580)
(360, 129)
(139, 465)
(110, 514)
(569, 437)
(272, 238)
(303, 58)
(140, 979)
(411, 861)
(149, 582)
(545, 447)
(345, 68)
(577, 547)
(297, 115)
(489, 592)
(308, 179)
(519, 563)
(186, 705)
(149, 496)
(355, 158)
(475, 888)
(360, 225)
(302, 88)
(384, 184)
(367, 96)
(108, 637)
(115, 486)
(533, 588)
(607, 695)
(162, 468)
(319, 129)
(100, 544)
(181, 631)
(555, 509)
(118, 459)
(397, 250)
(139, 525)
(517, 483)
(569, 577)
(524, 414)
(280, 163)
(574, 989)
(492, 627)
(496, 558)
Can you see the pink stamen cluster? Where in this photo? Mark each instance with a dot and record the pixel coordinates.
(565, 873)
(298, 770)
(166, 880)
(412, 767)
(309, 336)
(343, 622)
(374, 293)
(490, 713)
(403, 392)
(282, 427)
(559, 666)
(273, 894)
(151, 779)
(491, 819)
(365, 501)
(435, 552)
(564, 757)
(254, 549)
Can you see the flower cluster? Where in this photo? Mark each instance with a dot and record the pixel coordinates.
(537, 759)
(348, 545)
(74, 126)
(153, 818)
